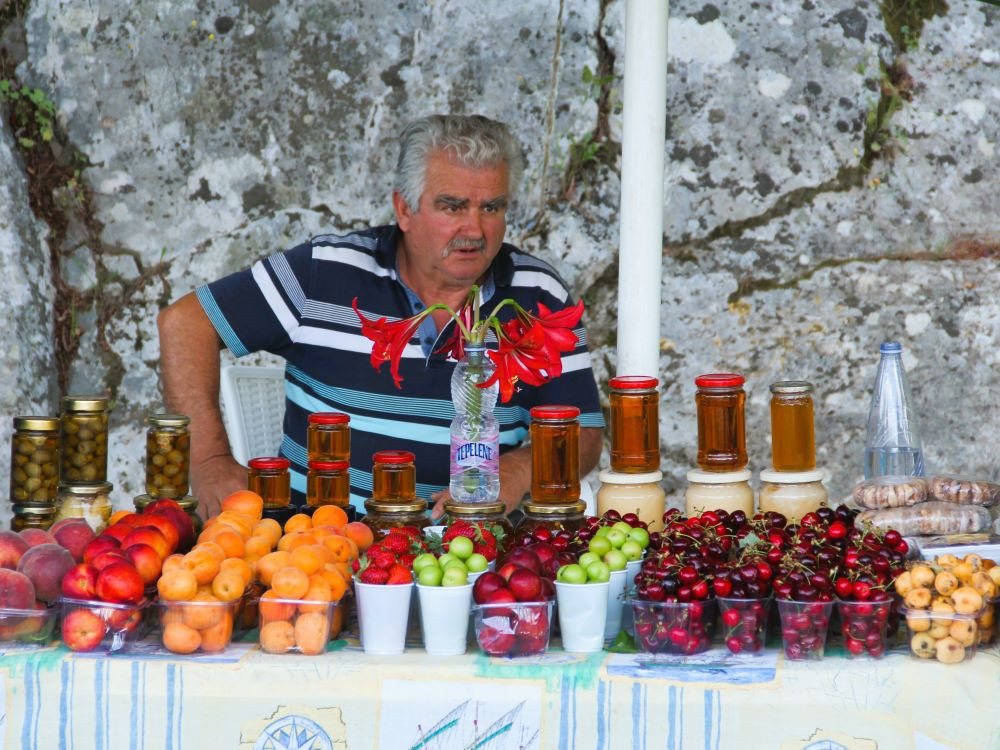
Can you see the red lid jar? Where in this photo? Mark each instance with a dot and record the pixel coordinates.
(721, 403)
(268, 476)
(394, 477)
(328, 436)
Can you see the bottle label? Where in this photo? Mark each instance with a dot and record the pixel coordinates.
(474, 455)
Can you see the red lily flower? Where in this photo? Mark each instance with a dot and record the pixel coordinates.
(454, 347)
(390, 339)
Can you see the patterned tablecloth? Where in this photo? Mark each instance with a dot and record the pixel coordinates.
(345, 699)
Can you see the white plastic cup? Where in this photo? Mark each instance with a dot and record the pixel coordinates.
(444, 618)
(632, 568)
(583, 608)
(616, 602)
(383, 613)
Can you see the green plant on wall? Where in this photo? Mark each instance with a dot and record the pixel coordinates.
(32, 113)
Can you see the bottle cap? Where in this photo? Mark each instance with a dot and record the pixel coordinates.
(393, 506)
(43, 424)
(86, 490)
(393, 457)
(719, 380)
(791, 386)
(269, 462)
(891, 347)
(328, 417)
(84, 403)
(555, 411)
(168, 420)
(329, 465)
(630, 382)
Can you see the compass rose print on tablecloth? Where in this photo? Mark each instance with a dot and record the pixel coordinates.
(293, 733)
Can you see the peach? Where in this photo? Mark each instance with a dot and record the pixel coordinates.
(117, 516)
(104, 559)
(277, 637)
(311, 632)
(166, 527)
(146, 560)
(24, 626)
(228, 586)
(182, 523)
(244, 501)
(177, 585)
(271, 610)
(16, 590)
(148, 535)
(120, 583)
(217, 637)
(12, 546)
(34, 537)
(180, 638)
(289, 582)
(46, 565)
(74, 536)
(80, 582)
(118, 532)
(360, 534)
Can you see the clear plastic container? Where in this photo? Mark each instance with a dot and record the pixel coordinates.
(673, 627)
(792, 494)
(721, 402)
(512, 630)
(168, 455)
(328, 483)
(946, 637)
(83, 440)
(103, 627)
(863, 625)
(394, 477)
(27, 628)
(328, 436)
(197, 626)
(34, 460)
(268, 476)
(804, 626)
(635, 424)
(295, 626)
(91, 502)
(793, 437)
(555, 454)
(892, 445)
(641, 494)
(744, 623)
(711, 490)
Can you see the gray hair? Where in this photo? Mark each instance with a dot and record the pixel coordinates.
(473, 140)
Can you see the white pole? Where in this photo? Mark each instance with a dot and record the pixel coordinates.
(640, 255)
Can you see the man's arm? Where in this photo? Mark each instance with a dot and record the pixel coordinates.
(515, 470)
(189, 363)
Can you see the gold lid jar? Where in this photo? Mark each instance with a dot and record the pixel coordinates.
(83, 448)
(490, 515)
(269, 477)
(641, 494)
(188, 504)
(328, 483)
(712, 490)
(91, 502)
(394, 477)
(34, 460)
(168, 455)
(381, 517)
(555, 454)
(561, 517)
(328, 436)
(32, 517)
(793, 435)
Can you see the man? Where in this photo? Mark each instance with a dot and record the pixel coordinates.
(456, 177)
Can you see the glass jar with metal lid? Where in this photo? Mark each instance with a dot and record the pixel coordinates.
(793, 439)
(91, 502)
(633, 493)
(394, 477)
(382, 516)
(32, 517)
(168, 455)
(328, 483)
(720, 402)
(714, 490)
(34, 460)
(268, 476)
(187, 503)
(635, 424)
(328, 436)
(490, 515)
(83, 444)
(555, 454)
(792, 493)
(566, 516)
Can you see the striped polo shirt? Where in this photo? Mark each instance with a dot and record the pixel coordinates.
(297, 304)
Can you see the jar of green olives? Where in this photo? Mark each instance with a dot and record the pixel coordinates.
(83, 446)
(34, 460)
(32, 517)
(168, 454)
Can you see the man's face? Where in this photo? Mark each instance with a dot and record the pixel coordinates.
(457, 232)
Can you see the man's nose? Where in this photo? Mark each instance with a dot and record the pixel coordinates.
(473, 224)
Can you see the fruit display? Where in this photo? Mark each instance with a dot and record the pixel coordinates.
(949, 606)
(673, 627)
(744, 623)
(389, 560)
(514, 606)
(863, 625)
(88, 625)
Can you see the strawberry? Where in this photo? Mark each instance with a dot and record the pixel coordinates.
(374, 575)
(459, 528)
(355, 565)
(398, 544)
(380, 557)
(488, 551)
(410, 531)
(399, 574)
(407, 560)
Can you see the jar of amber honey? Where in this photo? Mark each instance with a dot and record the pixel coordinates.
(555, 454)
(380, 517)
(565, 516)
(328, 436)
(269, 477)
(720, 401)
(394, 477)
(328, 483)
(793, 439)
(635, 424)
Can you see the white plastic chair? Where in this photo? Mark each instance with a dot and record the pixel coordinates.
(253, 409)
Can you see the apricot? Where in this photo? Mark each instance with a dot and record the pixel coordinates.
(217, 637)
(173, 562)
(320, 533)
(180, 638)
(311, 632)
(256, 546)
(274, 610)
(337, 620)
(269, 529)
(228, 586)
(298, 522)
(360, 534)
(277, 637)
(177, 585)
(296, 539)
(203, 564)
(329, 514)
(269, 563)
(241, 566)
(171, 613)
(217, 552)
(239, 521)
(231, 542)
(244, 501)
(203, 611)
(319, 594)
(343, 548)
(336, 581)
(118, 515)
(307, 558)
(290, 582)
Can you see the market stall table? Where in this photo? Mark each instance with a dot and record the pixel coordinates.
(245, 698)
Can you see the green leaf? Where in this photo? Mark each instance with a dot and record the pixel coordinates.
(26, 142)
(623, 644)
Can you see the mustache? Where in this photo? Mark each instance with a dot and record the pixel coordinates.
(465, 243)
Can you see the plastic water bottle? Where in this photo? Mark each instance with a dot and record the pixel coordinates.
(893, 445)
(475, 434)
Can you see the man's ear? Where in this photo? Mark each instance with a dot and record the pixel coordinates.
(402, 209)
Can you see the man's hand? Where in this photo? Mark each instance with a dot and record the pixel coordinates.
(213, 480)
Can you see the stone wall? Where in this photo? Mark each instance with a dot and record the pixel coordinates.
(828, 186)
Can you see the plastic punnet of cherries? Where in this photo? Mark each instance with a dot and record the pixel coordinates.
(739, 563)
